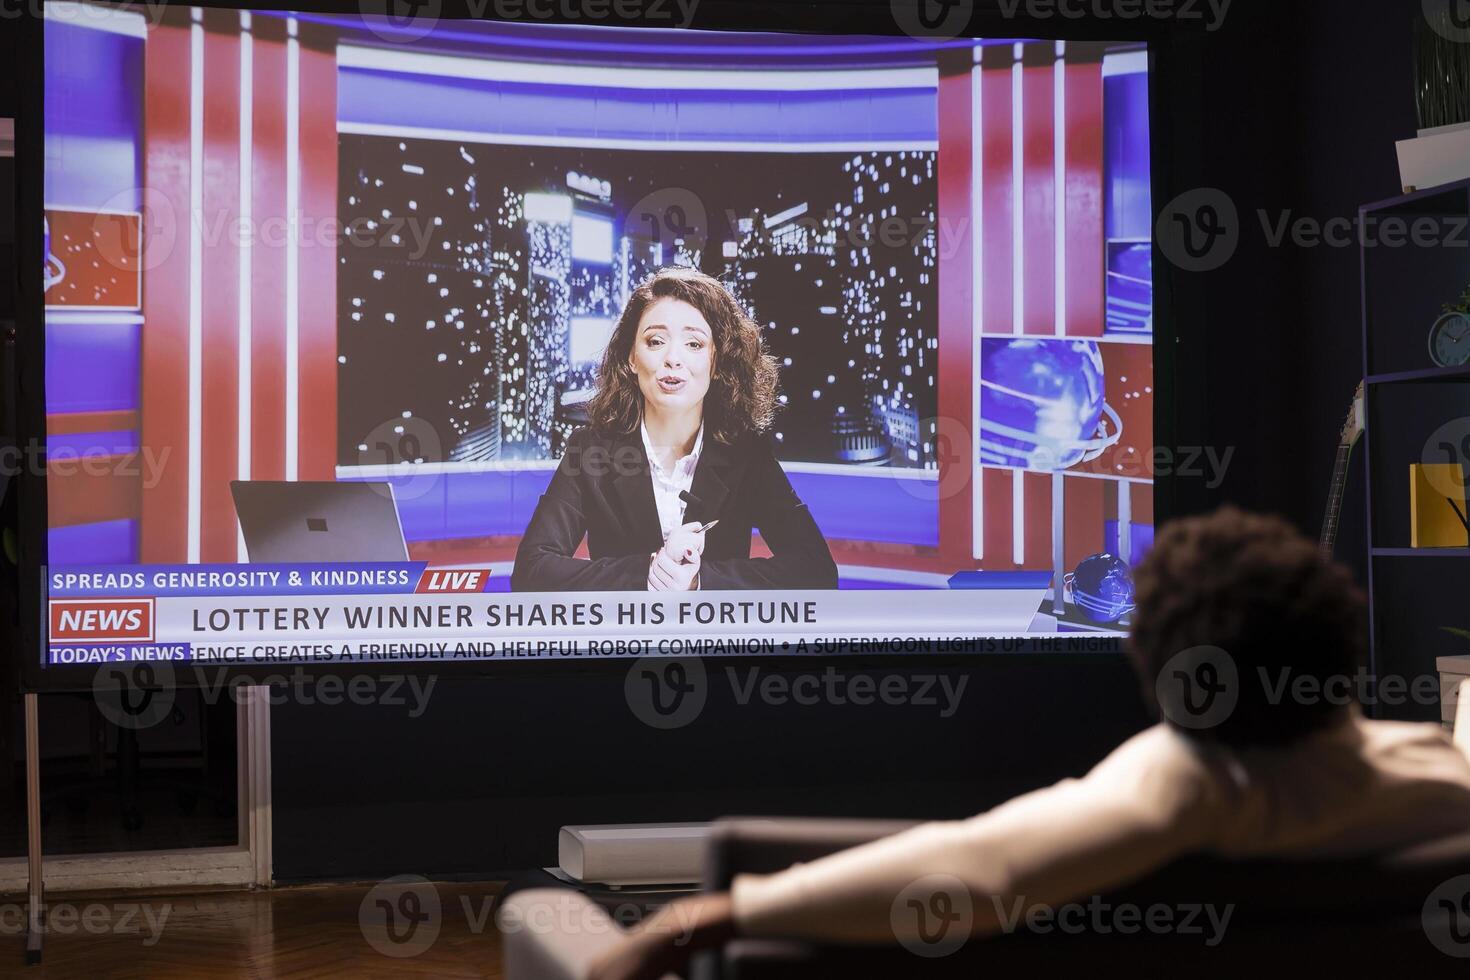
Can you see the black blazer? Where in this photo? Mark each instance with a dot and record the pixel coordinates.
(603, 490)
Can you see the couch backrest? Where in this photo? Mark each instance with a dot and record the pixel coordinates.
(1357, 888)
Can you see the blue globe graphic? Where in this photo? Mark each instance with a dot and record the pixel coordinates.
(1041, 401)
(1102, 587)
(1130, 288)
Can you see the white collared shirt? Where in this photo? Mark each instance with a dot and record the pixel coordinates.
(667, 486)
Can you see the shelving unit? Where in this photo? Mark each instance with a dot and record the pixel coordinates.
(1421, 552)
(1412, 592)
(1425, 374)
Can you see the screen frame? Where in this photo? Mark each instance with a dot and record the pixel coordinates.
(1173, 414)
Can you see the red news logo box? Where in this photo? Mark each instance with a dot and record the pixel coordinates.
(101, 620)
(453, 580)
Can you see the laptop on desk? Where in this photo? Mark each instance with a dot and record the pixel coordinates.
(302, 521)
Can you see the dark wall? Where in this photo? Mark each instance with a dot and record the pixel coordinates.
(1297, 111)
(1360, 110)
(8, 56)
(481, 781)
(1287, 106)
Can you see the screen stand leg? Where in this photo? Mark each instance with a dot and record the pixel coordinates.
(1058, 545)
(35, 924)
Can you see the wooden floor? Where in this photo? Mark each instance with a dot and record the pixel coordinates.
(299, 932)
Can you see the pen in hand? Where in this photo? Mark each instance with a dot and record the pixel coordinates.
(686, 558)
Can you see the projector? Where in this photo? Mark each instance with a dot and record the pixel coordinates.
(633, 854)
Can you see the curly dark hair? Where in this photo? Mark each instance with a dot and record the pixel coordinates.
(742, 391)
(1255, 598)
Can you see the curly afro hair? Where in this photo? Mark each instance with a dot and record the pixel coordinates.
(1252, 596)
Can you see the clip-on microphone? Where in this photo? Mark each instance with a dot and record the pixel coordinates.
(698, 504)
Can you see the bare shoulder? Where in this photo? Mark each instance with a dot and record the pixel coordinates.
(1394, 737)
(1158, 745)
(1161, 761)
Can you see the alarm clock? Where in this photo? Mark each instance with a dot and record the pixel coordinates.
(1449, 340)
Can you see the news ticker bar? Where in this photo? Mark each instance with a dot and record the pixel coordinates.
(236, 614)
(328, 578)
(405, 651)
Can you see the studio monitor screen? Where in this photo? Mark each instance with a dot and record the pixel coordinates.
(473, 341)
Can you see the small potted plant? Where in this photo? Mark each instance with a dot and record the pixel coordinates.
(1441, 152)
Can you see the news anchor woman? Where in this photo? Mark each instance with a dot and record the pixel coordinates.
(676, 468)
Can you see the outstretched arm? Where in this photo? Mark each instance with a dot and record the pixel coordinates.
(1146, 804)
(1150, 801)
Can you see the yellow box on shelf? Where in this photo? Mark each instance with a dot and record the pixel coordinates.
(1437, 506)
